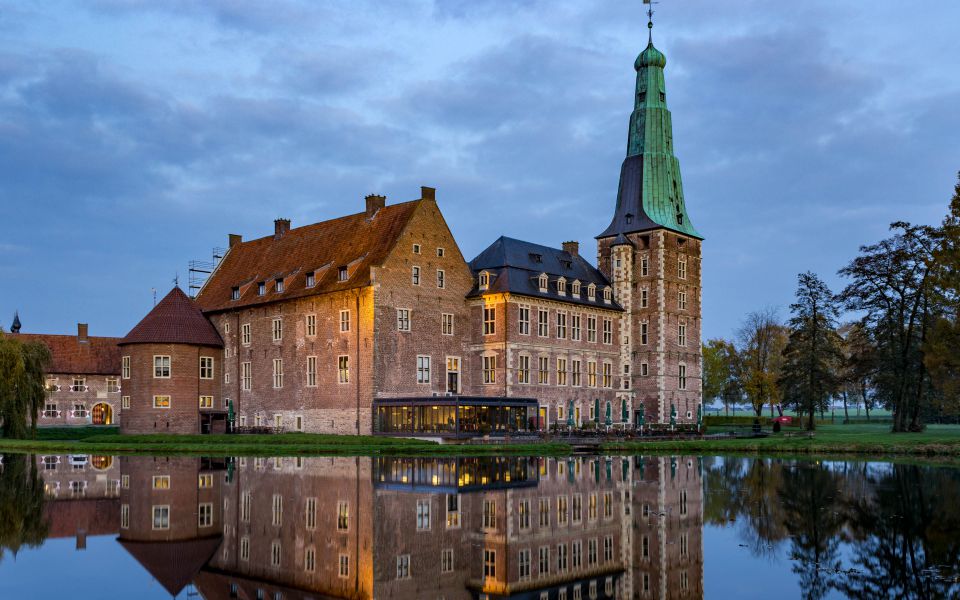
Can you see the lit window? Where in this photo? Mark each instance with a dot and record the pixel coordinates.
(161, 401)
(206, 401)
(343, 516)
(489, 369)
(561, 374)
(161, 482)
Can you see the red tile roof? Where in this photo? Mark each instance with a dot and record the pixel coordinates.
(174, 320)
(357, 242)
(93, 516)
(95, 356)
(173, 564)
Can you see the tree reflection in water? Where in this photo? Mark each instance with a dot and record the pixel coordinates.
(22, 521)
(864, 530)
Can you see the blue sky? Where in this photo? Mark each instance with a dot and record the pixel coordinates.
(135, 134)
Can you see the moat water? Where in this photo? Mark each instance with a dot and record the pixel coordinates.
(594, 527)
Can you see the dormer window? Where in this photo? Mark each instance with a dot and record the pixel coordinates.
(567, 264)
(235, 293)
(607, 295)
(261, 288)
(342, 274)
(311, 279)
(679, 218)
(629, 218)
(536, 258)
(562, 286)
(575, 289)
(543, 282)
(592, 292)
(484, 280)
(278, 285)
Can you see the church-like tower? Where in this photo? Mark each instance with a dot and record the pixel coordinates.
(651, 253)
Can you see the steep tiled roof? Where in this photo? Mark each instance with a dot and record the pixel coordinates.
(356, 241)
(174, 320)
(71, 356)
(517, 265)
(92, 516)
(173, 564)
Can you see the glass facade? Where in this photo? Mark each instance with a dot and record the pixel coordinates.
(457, 416)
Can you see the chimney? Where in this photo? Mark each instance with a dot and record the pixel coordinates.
(82, 332)
(573, 248)
(81, 539)
(280, 228)
(428, 193)
(374, 203)
(235, 239)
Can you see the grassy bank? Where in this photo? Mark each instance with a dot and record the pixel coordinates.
(873, 440)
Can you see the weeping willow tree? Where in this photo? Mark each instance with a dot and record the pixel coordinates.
(23, 368)
(22, 521)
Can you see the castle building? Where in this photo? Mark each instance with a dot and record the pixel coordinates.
(375, 323)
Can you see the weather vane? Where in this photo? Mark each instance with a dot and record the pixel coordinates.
(650, 18)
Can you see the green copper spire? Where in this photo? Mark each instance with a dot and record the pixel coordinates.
(651, 190)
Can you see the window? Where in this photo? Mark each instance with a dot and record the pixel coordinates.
(161, 401)
(206, 367)
(543, 566)
(592, 507)
(543, 370)
(343, 568)
(344, 322)
(562, 515)
(206, 401)
(161, 369)
(403, 566)
(415, 275)
(205, 514)
(275, 554)
(575, 289)
(561, 558)
(343, 516)
(607, 375)
(161, 517)
(543, 282)
(489, 369)
(523, 369)
(608, 331)
(403, 319)
(682, 267)
(423, 515)
(204, 481)
(161, 482)
(125, 402)
(311, 279)
(684, 545)
(577, 510)
(592, 292)
(125, 516)
(416, 248)
(489, 320)
(544, 520)
(484, 280)
(576, 372)
(342, 274)
(245, 334)
(591, 373)
(562, 287)
(561, 325)
(489, 563)
(489, 514)
(244, 548)
(575, 327)
(113, 385)
(524, 320)
(607, 295)
(682, 376)
(261, 288)
(310, 514)
(543, 322)
(576, 554)
(523, 512)
(591, 329)
(309, 560)
(446, 323)
(440, 278)
(277, 510)
(277, 373)
(524, 564)
(278, 285)
(644, 298)
(235, 293)
(561, 371)
(682, 298)
(343, 369)
(446, 560)
(644, 266)
(440, 252)
(643, 334)
(125, 367)
(682, 334)
(246, 376)
(311, 371)
(423, 369)
(644, 369)
(592, 552)
(277, 330)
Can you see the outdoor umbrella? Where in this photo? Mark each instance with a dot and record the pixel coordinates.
(609, 419)
(673, 416)
(624, 415)
(570, 470)
(570, 415)
(640, 418)
(596, 411)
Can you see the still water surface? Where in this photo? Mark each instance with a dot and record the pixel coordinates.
(585, 528)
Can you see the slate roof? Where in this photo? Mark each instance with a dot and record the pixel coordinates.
(516, 270)
(70, 356)
(173, 564)
(356, 241)
(174, 320)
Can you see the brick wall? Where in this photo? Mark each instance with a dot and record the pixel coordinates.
(68, 406)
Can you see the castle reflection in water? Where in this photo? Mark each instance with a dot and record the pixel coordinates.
(297, 528)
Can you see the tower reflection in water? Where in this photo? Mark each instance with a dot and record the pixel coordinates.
(472, 528)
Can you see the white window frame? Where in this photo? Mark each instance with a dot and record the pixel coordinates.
(161, 366)
(246, 376)
(403, 320)
(446, 323)
(523, 319)
(277, 329)
(489, 320)
(245, 334)
(277, 373)
(423, 369)
(125, 367)
(206, 367)
(311, 325)
(343, 369)
(441, 279)
(311, 371)
(415, 275)
(344, 321)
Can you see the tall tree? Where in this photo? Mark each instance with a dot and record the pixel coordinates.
(22, 392)
(761, 340)
(890, 283)
(720, 372)
(857, 369)
(812, 356)
(940, 354)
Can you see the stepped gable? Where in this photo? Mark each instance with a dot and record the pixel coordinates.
(357, 242)
(174, 320)
(72, 355)
(173, 564)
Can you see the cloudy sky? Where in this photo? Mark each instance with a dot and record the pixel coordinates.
(136, 134)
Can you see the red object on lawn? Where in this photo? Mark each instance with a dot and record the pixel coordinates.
(784, 420)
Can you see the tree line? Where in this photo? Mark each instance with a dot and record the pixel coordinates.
(23, 367)
(898, 351)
